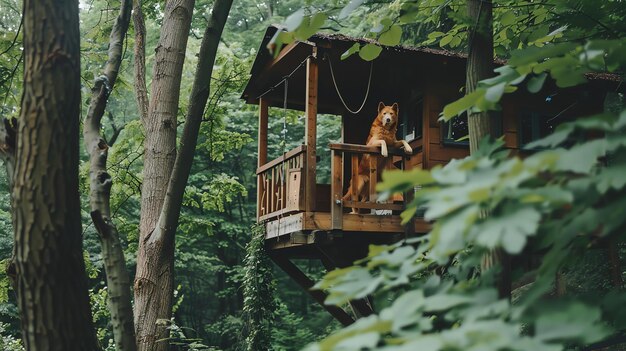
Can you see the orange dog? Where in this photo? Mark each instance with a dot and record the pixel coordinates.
(383, 133)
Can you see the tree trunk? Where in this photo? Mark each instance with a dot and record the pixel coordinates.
(479, 64)
(50, 266)
(479, 67)
(154, 276)
(118, 280)
(156, 261)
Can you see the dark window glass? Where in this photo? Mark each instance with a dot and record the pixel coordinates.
(410, 126)
(457, 128)
(534, 125)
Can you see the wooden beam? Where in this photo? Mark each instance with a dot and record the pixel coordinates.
(363, 149)
(302, 221)
(262, 152)
(336, 207)
(301, 279)
(310, 134)
(332, 258)
(426, 131)
(262, 139)
(374, 205)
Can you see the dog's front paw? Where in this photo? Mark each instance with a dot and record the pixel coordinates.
(384, 152)
(408, 149)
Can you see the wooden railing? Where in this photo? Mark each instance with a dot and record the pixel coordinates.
(350, 155)
(281, 184)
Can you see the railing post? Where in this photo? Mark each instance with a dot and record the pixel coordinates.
(262, 152)
(408, 196)
(354, 163)
(336, 188)
(373, 166)
(311, 130)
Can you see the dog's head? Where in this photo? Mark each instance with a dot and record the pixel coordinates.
(388, 115)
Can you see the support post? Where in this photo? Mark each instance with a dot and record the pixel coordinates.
(299, 277)
(373, 166)
(336, 207)
(262, 152)
(311, 130)
(409, 195)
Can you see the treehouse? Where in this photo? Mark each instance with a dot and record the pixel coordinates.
(305, 219)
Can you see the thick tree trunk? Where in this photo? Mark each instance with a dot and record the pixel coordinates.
(118, 280)
(51, 279)
(168, 220)
(158, 243)
(479, 67)
(154, 276)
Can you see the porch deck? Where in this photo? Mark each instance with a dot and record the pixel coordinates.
(306, 222)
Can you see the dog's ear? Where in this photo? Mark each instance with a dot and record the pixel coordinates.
(395, 108)
(381, 106)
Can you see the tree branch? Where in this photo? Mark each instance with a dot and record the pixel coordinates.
(118, 280)
(141, 92)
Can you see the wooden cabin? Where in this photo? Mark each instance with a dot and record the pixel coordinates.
(308, 220)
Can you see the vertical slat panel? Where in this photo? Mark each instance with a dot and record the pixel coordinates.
(336, 188)
(311, 130)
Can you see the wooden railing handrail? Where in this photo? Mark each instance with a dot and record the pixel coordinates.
(363, 149)
(287, 155)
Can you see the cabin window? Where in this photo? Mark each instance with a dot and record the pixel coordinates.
(534, 125)
(455, 132)
(410, 126)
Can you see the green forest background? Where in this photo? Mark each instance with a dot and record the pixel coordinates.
(219, 207)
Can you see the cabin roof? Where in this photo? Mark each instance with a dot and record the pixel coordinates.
(404, 67)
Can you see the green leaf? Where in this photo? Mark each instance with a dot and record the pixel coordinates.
(310, 26)
(495, 92)
(443, 302)
(461, 105)
(508, 18)
(370, 52)
(353, 49)
(508, 230)
(293, 21)
(348, 9)
(581, 158)
(446, 40)
(576, 322)
(536, 83)
(536, 54)
(392, 36)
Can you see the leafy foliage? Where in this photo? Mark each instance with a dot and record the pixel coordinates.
(561, 202)
(259, 294)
